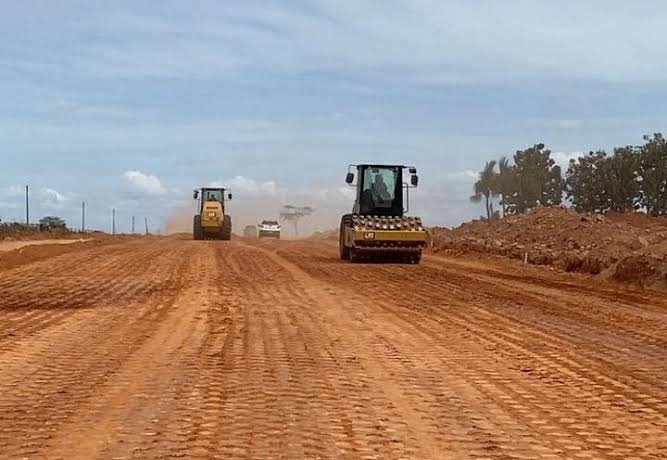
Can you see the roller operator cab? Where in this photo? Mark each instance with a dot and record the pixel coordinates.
(378, 228)
(212, 221)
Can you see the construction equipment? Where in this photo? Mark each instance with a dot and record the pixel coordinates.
(378, 229)
(212, 222)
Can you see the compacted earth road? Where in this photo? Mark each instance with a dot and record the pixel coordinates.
(165, 348)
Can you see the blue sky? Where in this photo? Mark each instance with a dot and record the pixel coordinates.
(133, 104)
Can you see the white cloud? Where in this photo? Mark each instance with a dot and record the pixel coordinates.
(248, 186)
(43, 200)
(467, 176)
(12, 191)
(51, 199)
(334, 195)
(433, 40)
(12, 197)
(145, 183)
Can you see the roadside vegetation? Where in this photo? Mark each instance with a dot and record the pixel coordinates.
(630, 178)
(49, 225)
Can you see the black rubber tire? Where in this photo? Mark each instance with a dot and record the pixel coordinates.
(226, 233)
(197, 231)
(345, 222)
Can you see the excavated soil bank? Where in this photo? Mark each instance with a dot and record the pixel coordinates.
(625, 247)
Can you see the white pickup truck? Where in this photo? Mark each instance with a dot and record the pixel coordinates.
(269, 229)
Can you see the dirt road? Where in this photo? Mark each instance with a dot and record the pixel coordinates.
(180, 349)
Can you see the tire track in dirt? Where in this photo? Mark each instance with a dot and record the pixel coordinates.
(523, 395)
(362, 420)
(48, 374)
(340, 378)
(125, 406)
(273, 385)
(576, 333)
(390, 375)
(180, 349)
(419, 307)
(565, 338)
(46, 293)
(627, 351)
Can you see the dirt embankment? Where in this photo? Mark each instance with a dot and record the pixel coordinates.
(13, 245)
(9, 235)
(626, 247)
(15, 253)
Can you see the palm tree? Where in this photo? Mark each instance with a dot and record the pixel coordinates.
(504, 182)
(485, 187)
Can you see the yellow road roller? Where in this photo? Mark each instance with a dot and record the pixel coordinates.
(212, 221)
(379, 229)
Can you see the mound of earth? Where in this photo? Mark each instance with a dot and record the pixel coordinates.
(28, 235)
(627, 247)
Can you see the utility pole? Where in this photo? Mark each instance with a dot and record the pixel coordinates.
(83, 217)
(146, 220)
(27, 206)
(113, 221)
(133, 225)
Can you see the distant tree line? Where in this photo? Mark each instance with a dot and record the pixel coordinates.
(46, 224)
(632, 178)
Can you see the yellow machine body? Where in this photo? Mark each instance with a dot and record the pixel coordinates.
(212, 222)
(213, 217)
(378, 228)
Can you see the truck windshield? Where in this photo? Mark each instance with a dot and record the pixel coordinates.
(213, 195)
(381, 183)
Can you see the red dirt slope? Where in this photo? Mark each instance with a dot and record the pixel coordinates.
(626, 247)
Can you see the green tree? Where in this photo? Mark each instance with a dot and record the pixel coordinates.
(485, 188)
(538, 180)
(653, 172)
(584, 184)
(621, 180)
(599, 183)
(505, 182)
(52, 223)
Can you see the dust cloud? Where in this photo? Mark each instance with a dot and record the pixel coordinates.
(251, 211)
